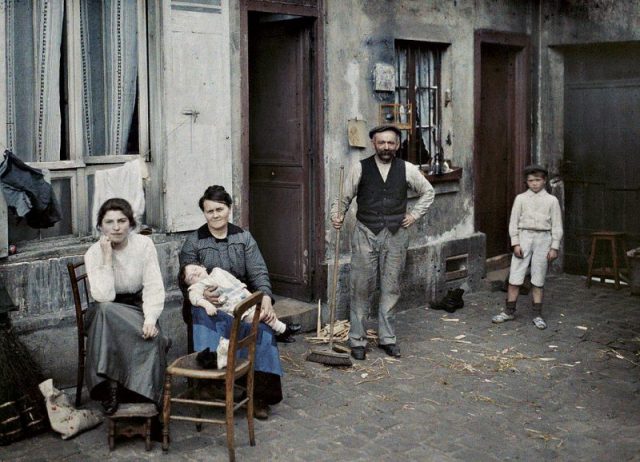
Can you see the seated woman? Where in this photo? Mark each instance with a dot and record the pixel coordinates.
(125, 348)
(220, 244)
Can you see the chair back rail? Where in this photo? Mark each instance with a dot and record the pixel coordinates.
(249, 340)
(77, 277)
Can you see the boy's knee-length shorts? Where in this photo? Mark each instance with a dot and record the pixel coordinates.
(535, 247)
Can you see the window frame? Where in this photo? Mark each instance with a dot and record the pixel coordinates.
(413, 48)
(80, 166)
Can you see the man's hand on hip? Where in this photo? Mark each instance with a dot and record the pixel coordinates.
(337, 221)
(408, 220)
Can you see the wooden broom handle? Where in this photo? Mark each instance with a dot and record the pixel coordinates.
(336, 266)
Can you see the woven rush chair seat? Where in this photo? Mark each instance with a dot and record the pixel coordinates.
(187, 367)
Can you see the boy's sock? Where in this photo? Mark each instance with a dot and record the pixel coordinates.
(510, 307)
(537, 309)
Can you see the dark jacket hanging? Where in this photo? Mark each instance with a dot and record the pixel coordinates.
(41, 208)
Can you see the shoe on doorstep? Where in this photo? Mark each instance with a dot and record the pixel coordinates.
(358, 353)
(539, 322)
(260, 410)
(502, 317)
(391, 349)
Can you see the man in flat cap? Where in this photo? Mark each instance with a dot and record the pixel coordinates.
(380, 238)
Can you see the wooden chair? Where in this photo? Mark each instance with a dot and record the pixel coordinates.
(78, 279)
(617, 242)
(188, 367)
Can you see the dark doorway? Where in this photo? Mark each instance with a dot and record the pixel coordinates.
(601, 167)
(502, 120)
(281, 150)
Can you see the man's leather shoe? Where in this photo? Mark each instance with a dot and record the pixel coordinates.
(260, 410)
(358, 353)
(391, 349)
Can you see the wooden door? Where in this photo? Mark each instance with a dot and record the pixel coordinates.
(601, 167)
(280, 151)
(495, 182)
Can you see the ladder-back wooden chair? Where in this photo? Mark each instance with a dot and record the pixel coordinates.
(80, 289)
(188, 367)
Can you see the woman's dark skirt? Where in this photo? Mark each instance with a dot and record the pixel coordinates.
(207, 331)
(117, 351)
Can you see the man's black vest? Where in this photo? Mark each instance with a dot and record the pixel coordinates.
(382, 204)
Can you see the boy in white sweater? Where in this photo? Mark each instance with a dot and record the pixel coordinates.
(230, 291)
(535, 229)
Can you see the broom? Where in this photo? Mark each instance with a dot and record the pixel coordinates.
(333, 356)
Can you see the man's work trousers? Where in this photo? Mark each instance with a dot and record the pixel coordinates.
(384, 253)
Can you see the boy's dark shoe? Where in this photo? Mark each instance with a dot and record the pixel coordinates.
(391, 349)
(289, 332)
(358, 353)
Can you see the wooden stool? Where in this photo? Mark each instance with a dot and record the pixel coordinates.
(616, 241)
(136, 421)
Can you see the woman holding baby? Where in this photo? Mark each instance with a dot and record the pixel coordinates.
(221, 244)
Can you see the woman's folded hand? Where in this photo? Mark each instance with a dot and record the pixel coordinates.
(149, 330)
(267, 313)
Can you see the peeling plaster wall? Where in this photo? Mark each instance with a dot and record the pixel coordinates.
(360, 34)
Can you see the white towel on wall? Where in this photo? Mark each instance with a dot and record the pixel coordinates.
(125, 182)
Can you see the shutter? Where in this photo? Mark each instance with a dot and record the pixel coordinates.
(197, 92)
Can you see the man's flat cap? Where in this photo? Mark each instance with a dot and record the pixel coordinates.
(384, 128)
(529, 169)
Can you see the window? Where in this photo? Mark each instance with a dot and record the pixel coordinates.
(418, 71)
(76, 96)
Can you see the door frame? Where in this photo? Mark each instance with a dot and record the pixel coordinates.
(521, 45)
(316, 162)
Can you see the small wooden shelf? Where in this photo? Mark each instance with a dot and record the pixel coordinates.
(452, 175)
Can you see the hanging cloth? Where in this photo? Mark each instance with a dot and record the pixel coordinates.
(27, 192)
(124, 182)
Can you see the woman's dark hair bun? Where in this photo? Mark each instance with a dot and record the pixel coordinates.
(215, 193)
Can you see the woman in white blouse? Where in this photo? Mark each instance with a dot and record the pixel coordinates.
(125, 348)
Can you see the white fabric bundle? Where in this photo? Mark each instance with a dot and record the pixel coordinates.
(64, 418)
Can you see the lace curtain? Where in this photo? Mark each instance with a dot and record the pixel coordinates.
(34, 36)
(109, 47)
(108, 66)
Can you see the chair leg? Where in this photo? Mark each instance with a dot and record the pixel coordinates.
(166, 412)
(591, 258)
(147, 434)
(112, 434)
(79, 381)
(230, 428)
(250, 422)
(616, 271)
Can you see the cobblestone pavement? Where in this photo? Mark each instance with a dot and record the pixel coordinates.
(464, 390)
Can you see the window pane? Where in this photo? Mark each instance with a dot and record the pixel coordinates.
(418, 67)
(19, 231)
(34, 40)
(109, 45)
